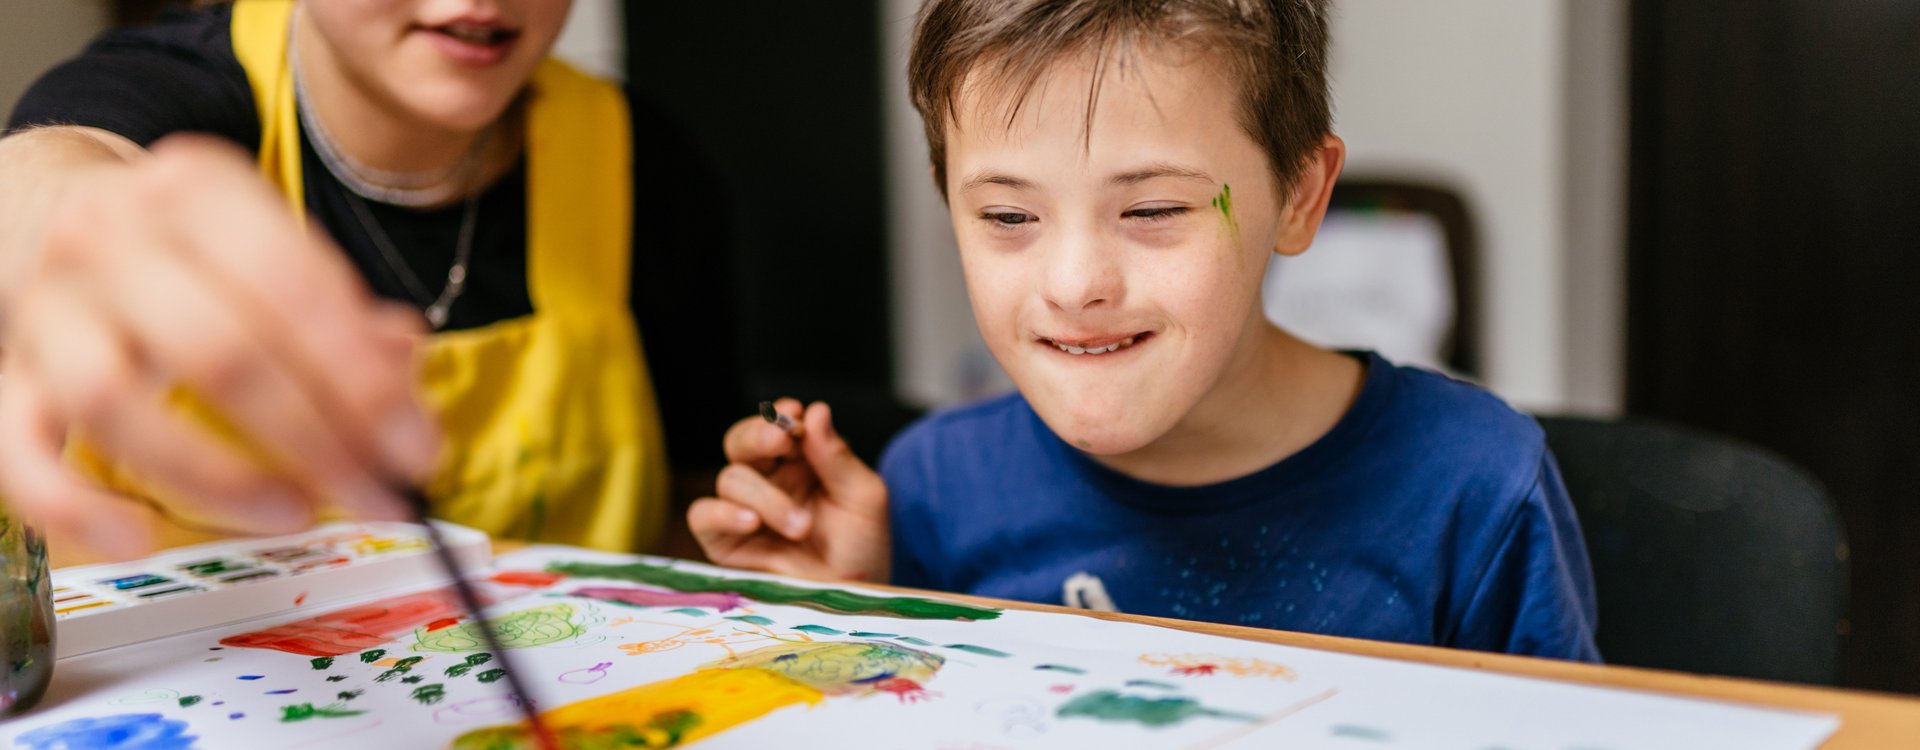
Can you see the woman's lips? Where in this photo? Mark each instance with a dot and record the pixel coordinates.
(473, 43)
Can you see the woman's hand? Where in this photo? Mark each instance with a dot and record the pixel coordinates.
(805, 507)
(184, 267)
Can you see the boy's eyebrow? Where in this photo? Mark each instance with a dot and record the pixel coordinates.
(1163, 169)
(994, 178)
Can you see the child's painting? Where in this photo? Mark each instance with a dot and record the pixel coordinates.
(630, 652)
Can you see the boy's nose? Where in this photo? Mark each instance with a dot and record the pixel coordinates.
(1078, 273)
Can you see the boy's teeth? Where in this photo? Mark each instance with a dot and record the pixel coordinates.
(1122, 344)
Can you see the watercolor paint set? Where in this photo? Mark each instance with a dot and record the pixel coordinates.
(102, 606)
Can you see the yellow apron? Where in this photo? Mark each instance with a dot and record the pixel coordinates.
(552, 433)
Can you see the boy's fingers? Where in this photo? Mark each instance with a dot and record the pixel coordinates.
(40, 486)
(755, 492)
(753, 441)
(847, 479)
(721, 527)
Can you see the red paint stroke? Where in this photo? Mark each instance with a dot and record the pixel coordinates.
(645, 597)
(536, 578)
(444, 622)
(1061, 688)
(1195, 670)
(906, 690)
(301, 599)
(353, 629)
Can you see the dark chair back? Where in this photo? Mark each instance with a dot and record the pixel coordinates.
(1709, 555)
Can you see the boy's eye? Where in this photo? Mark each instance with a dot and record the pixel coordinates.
(1008, 218)
(1154, 213)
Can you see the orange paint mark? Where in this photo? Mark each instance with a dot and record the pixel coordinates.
(301, 599)
(1202, 665)
(78, 607)
(444, 622)
(538, 578)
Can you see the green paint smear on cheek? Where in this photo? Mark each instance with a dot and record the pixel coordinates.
(1224, 202)
(1107, 705)
(775, 592)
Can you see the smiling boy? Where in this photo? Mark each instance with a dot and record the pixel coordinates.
(1119, 173)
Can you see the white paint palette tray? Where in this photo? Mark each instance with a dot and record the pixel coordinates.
(102, 606)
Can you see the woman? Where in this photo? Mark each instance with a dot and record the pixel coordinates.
(176, 330)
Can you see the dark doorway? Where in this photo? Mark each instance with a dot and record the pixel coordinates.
(1774, 251)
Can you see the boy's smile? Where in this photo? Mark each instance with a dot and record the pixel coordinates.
(1114, 260)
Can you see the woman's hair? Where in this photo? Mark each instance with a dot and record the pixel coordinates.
(1275, 49)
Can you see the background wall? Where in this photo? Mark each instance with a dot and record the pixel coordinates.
(1516, 104)
(35, 34)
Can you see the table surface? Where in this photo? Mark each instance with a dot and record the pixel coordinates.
(1867, 720)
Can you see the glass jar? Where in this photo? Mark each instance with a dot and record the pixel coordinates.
(26, 617)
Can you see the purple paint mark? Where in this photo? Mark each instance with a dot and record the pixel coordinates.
(587, 676)
(236, 715)
(281, 692)
(251, 676)
(644, 597)
(121, 732)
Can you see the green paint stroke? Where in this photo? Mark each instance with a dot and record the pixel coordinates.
(1060, 668)
(188, 700)
(412, 679)
(337, 678)
(369, 657)
(819, 630)
(689, 611)
(1151, 684)
(1108, 705)
(323, 662)
(1361, 733)
(869, 634)
(1224, 202)
(305, 711)
(491, 675)
(399, 668)
(775, 592)
(473, 660)
(347, 695)
(755, 619)
(912, 640)
(665, 729)
(428, 695)
(981, 650)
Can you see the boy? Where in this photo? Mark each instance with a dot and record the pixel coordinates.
(1118, 173)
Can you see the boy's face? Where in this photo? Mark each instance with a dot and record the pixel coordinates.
(1138, 240)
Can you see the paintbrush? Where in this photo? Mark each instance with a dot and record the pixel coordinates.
(417, 506)
(786, 424)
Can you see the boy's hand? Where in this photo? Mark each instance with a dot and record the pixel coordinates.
(805, 507)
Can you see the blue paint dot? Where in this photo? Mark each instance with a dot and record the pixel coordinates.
(251, 676)
(236, 715)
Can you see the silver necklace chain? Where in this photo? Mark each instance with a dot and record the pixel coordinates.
(437, 307)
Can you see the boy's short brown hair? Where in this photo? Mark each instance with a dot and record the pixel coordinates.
(1277, 49)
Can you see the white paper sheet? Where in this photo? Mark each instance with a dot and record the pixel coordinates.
(808, 678)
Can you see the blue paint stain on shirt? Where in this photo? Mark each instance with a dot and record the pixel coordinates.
(1430, 513)
(119, 732)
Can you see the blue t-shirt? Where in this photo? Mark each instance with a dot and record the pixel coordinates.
(1431, 513)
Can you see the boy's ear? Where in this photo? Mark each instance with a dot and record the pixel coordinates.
(1300, 218)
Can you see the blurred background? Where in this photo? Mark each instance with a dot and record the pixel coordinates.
(1692, 214)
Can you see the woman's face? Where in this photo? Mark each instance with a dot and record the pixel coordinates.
(455, 64)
